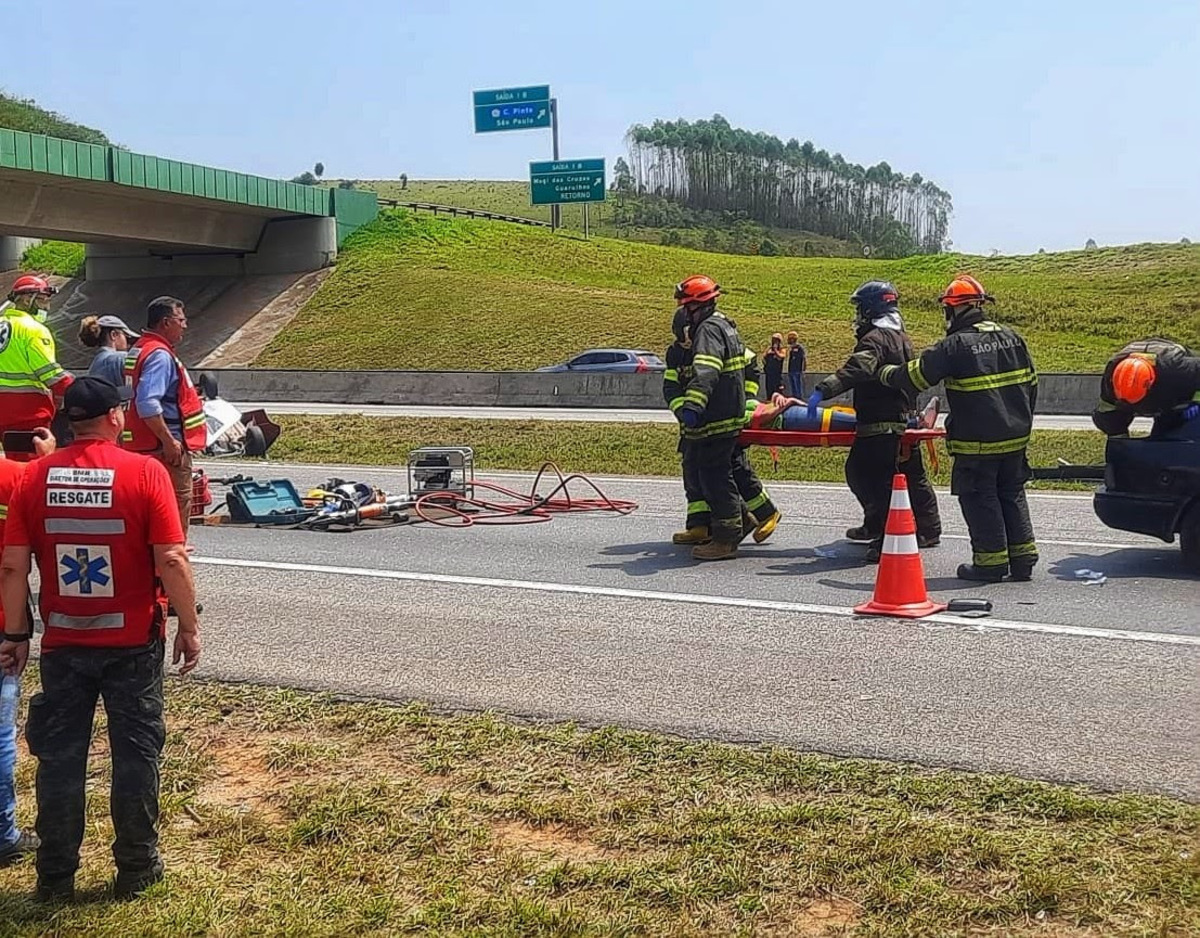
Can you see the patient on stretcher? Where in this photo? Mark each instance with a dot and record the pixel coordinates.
(788, 413)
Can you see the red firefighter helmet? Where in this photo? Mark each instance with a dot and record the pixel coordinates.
(696, 289)
(31, 283)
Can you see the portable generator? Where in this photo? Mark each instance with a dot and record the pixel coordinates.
(441, 469)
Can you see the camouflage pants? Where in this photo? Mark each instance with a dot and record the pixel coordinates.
(59, 730)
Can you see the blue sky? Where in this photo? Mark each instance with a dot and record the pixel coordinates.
(1049, 122)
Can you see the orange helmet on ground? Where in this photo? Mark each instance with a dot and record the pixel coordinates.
(697, 289)
(964, 290)
(1133, 378)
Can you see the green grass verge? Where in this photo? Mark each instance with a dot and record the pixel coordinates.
(507, 197)
(26, 115)
(289, 813)
(413, 291)
(64, 258)
(600, 448)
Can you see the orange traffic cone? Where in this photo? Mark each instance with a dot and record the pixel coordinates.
(900, 583)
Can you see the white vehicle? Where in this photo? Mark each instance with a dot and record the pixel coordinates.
(231, 432)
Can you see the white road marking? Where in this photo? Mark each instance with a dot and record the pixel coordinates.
(1046, 628)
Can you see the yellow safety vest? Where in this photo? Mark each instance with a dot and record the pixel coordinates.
(27, 355)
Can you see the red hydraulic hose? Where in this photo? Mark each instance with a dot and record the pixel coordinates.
(518, 508)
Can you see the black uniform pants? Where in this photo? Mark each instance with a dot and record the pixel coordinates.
(59, 731)
(871, 464)
(714, 473)
(991, 492)
(749, 487)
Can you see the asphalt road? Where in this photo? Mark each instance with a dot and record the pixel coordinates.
(597, 618)
(1041, 422)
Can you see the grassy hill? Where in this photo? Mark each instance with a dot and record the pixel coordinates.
(20, 114)
(417, 292)
(671, 222)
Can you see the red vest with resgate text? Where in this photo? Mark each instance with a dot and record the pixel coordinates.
(138, 436)
(85, 512)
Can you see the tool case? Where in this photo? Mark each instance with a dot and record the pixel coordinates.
(272, 502)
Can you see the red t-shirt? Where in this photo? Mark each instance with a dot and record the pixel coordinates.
(91, 513)
(10, 477)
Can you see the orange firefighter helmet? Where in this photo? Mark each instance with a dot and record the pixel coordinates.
(1133, 378)
(697, 289)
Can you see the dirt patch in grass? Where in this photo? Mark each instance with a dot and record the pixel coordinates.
(553, 840)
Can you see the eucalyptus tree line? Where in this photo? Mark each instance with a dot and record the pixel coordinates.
(711, 166)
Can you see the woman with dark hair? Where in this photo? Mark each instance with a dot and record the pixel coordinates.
(112, 337)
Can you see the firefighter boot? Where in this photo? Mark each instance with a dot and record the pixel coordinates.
(695, 535)
(767, 528)
(715, 550)
(860, 534)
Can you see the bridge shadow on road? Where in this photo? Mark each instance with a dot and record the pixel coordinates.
(1160, 563)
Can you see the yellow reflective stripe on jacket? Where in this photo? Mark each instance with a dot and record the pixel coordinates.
(670, 375)
(976, 448)
(194, 420)
(676, 403)
(3, 512)
(712, 429)
(708, 361)
(736, 363)
(751, 389)
(991, 382)
(696, 396)
(916, 376)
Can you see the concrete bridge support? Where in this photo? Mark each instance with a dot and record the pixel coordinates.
(11, 250)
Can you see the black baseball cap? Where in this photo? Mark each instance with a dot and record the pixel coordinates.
(90, 397)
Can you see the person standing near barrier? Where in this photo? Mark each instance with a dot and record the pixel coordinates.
(797, 361)
(774, 359)
(104, 529)
(991, 387)
(882, 416)
(32, 382)
(167, 417)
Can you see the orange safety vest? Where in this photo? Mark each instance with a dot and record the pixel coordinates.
(138, 436)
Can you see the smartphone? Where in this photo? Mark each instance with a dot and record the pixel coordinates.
(19, 441)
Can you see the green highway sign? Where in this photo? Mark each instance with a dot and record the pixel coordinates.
(566, 181)
(512, 109)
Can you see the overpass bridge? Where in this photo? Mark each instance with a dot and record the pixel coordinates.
(143, 216)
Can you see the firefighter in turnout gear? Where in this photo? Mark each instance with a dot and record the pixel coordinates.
(32, 382)
(764, 517)
(1153, 378)
(713, 412)
(991, 387)
(882, 416)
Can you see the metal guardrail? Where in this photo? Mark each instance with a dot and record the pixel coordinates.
(456, 210)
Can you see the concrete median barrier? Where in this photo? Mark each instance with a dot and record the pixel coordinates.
(1065, 394)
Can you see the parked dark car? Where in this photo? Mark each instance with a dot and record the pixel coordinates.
(1152, 487)
(620, 360)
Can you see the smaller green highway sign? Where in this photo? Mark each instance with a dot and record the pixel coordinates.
(512, 109)
(566, 181)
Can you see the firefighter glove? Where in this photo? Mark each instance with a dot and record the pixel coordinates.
(813, 401)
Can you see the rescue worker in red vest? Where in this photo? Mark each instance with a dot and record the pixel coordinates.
(991, 387)
(713, 412)
(103, 527)
(14, 842)
(1152, 378)
(32, 382)
(167, 416)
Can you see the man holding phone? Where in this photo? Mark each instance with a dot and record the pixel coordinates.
(103, 527)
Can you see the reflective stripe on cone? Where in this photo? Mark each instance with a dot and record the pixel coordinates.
(900, 583)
